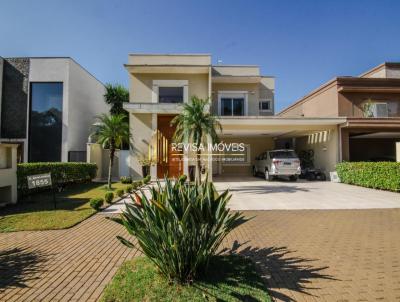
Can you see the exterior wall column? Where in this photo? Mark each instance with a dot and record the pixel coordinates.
(345, 145)
(153, 168)
(94, 155)
(398, 151)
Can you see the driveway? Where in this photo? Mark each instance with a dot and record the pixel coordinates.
(308, 255)
(251, 193)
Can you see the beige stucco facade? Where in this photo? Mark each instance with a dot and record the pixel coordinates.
(367, 134)
(8, 173)
(198, 77)
(320, 121)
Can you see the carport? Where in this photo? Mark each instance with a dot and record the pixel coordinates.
(369, 139)
(266, 133)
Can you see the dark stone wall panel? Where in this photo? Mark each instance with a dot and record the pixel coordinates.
(15, 97)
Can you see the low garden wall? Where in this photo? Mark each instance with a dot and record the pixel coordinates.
(377, 175)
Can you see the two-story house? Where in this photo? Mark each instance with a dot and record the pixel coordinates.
(241, 97)
(47, 107)
(371, 105)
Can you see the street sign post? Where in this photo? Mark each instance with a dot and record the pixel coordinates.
(40, 181)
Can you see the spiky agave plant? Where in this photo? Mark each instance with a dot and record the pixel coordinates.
(180, 226)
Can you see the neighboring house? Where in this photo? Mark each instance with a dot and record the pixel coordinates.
(240, 96)
(47, 107)
(371, 105)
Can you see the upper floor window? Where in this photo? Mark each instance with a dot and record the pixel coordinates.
(265, 105)
(232, 103)
(232, 106)
(170, 94)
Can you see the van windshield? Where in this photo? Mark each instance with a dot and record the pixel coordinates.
(283, 154)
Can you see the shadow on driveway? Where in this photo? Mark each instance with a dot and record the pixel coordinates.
(281, 270)
(269, 189)
(18, 266)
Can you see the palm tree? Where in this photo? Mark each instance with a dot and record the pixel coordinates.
(195, 124)
(111, 131)
(115, 96)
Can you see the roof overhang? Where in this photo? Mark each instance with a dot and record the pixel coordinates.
(376, 85)
(372, 123)
(153, 108)
(236, 79)
(276, 126)
(188, 69)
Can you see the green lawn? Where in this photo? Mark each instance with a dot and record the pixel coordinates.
(230, 278)
(36, 212)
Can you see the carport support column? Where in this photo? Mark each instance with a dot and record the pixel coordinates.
(398, 151)
(345, 145)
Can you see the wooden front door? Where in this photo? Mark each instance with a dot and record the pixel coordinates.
(169, 162)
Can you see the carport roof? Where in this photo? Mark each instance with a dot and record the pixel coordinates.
(277, 126)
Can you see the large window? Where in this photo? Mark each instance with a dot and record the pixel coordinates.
(232, 106)
(45, 131)
(170, 94)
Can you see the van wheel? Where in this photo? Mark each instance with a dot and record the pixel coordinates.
(268, 177)
(254, 172)
(293, 177)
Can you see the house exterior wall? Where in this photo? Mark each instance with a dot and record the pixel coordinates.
(82, 99)
(264, 90)
(8, 173)
(323, 103)
(53, 70)
(141, 128)
(86, 100)
(1, 86)
(257, 146)
(325, 145)
(14, 102)
(141, 85)
(350, 104)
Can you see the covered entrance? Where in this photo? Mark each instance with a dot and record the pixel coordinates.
(370, 139)
(169, 162)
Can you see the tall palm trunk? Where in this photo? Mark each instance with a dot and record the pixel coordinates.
(198, 166)
(198, 162)
(111, 163)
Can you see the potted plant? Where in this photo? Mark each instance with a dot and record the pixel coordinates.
(146, 163)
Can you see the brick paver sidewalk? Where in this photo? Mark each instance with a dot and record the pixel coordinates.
(337, 255)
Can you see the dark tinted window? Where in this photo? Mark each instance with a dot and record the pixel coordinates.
(226, 107)
(264, 105)
(283, 154)
(170, 94)
(45, 131)
(232, 106)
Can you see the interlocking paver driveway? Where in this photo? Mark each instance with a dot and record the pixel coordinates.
(310, 255)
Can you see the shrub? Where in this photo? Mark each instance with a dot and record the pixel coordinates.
(137, 184)
(119, 192)
(146, 180)
(61, 173)
(108, 197)
(180, 226)
(96, 203)
(125, 179)
(129, 189)
(377, 175)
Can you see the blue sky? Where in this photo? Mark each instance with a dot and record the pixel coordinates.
(302, 43)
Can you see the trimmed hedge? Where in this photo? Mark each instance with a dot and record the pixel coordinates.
(96, 203)
(108, 197)
(61, 173)
(377, 175)
(119, 192)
